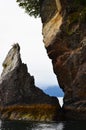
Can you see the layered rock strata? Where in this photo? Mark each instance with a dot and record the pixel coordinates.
(19, 97)
(64, 35)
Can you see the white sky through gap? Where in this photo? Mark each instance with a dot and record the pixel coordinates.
(17, 27)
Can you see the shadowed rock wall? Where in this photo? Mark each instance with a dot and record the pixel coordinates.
(64, 35)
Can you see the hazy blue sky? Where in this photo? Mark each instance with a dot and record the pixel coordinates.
(17, 27)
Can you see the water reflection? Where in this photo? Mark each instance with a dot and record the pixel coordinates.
(75, 125)
(22, 125)
(50, 126)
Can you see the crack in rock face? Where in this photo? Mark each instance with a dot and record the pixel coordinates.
(52, 20)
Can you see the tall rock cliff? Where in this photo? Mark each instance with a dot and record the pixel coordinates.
(19, 97)
(64, 36)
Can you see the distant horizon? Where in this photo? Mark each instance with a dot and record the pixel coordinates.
(54, 91)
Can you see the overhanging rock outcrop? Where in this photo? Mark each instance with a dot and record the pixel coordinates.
(64, 36)
(19, 97)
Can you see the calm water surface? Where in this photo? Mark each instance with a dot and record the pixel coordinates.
(22, 125)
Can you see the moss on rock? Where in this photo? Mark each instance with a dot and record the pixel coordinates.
(39, 112)
(75, 16)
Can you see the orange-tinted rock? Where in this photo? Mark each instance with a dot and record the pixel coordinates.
(65, 41)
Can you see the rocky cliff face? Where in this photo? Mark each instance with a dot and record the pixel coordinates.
(19, 97)
(64, 35)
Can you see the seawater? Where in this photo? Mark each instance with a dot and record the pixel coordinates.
(24, 125)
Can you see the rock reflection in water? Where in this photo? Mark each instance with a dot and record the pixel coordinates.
(24, 125)
(21, 125)
(50, 126)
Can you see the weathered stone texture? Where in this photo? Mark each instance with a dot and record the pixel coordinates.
(50, 27)
(19, 97)
(66, 46)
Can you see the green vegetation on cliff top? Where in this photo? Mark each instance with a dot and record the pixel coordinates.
(32, 7)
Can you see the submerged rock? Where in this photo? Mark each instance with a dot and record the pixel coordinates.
(64, 36)
(19, 97)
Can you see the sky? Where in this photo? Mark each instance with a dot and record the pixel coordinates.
(18, 27)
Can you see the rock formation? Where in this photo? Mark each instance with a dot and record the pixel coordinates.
(19, 97)
(64, 36)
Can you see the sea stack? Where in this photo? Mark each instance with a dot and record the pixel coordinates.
(64, 36)
(20, 99)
